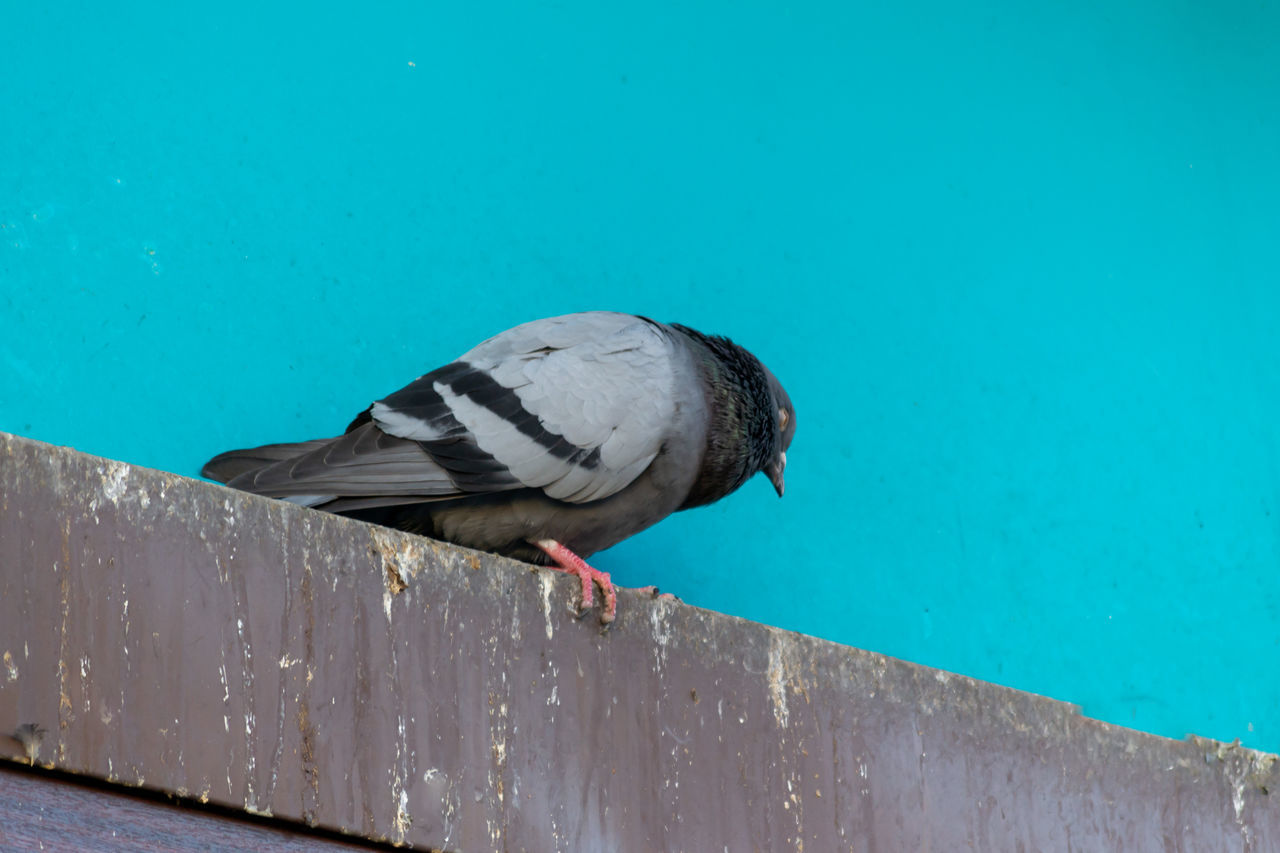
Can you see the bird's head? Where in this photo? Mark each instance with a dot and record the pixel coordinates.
(784, 421)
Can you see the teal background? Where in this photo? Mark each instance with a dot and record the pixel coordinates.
(1016, 264)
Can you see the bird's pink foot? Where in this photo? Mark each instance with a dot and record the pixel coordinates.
(567, 561)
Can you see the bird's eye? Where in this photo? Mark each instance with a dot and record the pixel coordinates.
(784, 417)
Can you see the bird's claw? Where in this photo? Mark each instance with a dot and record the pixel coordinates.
(657, 594)
(567, 561)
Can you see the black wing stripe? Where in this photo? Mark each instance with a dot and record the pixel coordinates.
(471, 468)
(483, 390)
(420, 400)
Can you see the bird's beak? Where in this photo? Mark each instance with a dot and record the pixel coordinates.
(774, 471)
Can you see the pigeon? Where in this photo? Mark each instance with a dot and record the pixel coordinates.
(547, 443)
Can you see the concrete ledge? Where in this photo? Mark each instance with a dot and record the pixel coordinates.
(178, 635)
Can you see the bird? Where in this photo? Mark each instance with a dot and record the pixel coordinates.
(548, 442)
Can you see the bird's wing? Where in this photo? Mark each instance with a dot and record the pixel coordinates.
(577, 406)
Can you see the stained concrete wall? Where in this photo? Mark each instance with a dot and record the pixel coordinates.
(174, 634)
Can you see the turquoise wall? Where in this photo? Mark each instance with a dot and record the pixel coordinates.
(1016, 263)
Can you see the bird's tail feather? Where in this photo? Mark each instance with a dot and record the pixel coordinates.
(225, 467)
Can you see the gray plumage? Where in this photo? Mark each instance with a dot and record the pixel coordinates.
(584, 429)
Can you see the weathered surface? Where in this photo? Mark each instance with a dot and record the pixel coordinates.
(175, 634)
